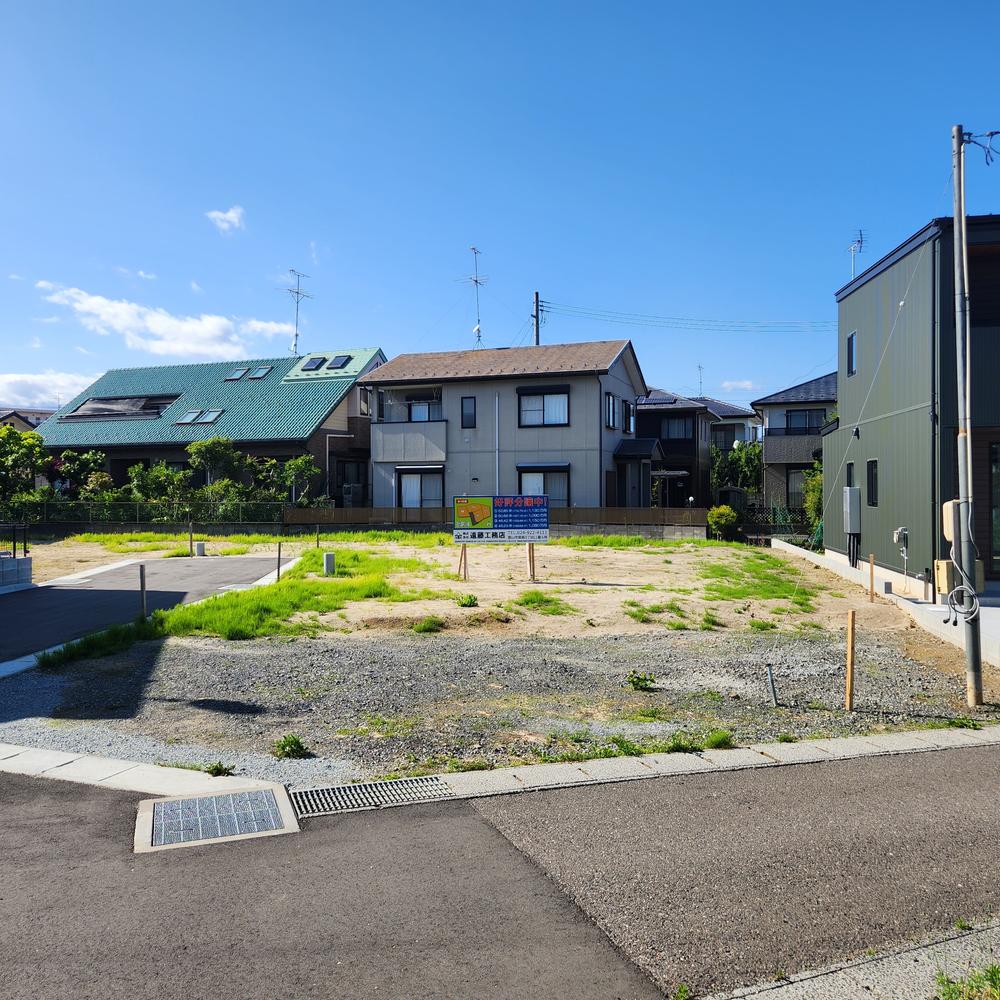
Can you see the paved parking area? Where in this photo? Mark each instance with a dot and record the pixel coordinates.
(61, 611)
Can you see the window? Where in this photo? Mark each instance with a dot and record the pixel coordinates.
(873, 483)
(550, 409)
(678, 428)
(421, 489)
(380, 404)
(364, 402)
(610, 410)
(260, 371)
(724, 436)
(795, 480)
(850, 474)
(628, 416)
(468, 411)
(852, 353)
(420, 412)
(313, 364)
(208, 416)
(553, 484)
(804, 421)
(340, 361)
(236, 373)
(189, 417)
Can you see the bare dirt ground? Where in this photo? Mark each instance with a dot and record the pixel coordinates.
(504, 681)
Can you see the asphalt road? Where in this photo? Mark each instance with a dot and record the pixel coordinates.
(713, 880)
(728, 879)
(411, 903)
(45, 616)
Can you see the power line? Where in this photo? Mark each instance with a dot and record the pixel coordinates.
(688, 322)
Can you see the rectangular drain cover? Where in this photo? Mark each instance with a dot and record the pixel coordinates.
(368, 795)
(182, 820)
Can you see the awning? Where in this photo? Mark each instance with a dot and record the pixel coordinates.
(633, 448)
(543, 466)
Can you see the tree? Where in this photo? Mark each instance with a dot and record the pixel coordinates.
(74, 469)
(217, 457)
(158, 482)
(812, 494)
(22, 457)
(741, 467)
(298, 474)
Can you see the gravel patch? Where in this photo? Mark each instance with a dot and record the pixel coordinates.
(371, 706)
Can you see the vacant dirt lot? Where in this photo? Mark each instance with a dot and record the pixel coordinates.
(532, 671)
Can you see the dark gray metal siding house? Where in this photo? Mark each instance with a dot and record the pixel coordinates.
(896, 434)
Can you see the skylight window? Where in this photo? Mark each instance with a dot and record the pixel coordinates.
(340, 361)
(314, 364)
(190, 417)
(260, 371)
(236, 373)
(208, 416)
(120, 408)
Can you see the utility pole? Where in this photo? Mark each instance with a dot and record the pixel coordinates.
(965, 549)
(537, 317)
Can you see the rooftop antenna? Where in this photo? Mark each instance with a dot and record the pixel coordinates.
(298, 294)
(701, 371)
(477, 279)
(856, 247)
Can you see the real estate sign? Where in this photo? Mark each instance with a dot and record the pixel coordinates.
(501, 519)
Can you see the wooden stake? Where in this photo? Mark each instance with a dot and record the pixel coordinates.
(871, 577)
(463, 563)
(531, 552)
(142, 590)
(849, 689)
(277, 575)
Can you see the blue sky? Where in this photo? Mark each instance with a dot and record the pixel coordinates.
(689, 160)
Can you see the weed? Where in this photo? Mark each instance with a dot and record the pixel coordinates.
(979, 984)
(649, 713)
(964, 722)
(104, 643)
(637, 612)
(815, 705)
(467, 601)
(432, 623)
(962, 924)
(677, 625)
(639, 681)
(719, 739)
(787, 738)
(543, 603)
(757, 575)
(761, 624)
(381, 726)
(290, 747)
(218, 770)
(235, 550)
(682, 993)
(709, 621)
(682, 742)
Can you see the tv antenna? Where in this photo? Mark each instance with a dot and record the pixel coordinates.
(701, 372)
(297, 293)
(857, 246)
(477, 279)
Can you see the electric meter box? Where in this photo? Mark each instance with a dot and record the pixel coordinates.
(852, 510)
(949, 513)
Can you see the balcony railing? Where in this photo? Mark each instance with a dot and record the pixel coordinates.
(412, 413)
(792, 431)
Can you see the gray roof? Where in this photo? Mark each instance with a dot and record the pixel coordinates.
(661, 399)
(639, 448)
(817, 390)
(722, 409)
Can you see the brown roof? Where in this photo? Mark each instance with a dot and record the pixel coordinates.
(592, 357)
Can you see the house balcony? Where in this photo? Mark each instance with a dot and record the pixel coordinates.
(415, 441)
(790, 447)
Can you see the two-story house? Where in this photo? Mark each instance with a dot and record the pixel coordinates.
(682, 428)
(733, 423)
(793, 419)
(22, 419)
(557, 419)
(269, 407)
(897, 430)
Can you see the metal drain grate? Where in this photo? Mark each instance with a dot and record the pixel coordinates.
(370, 795)
(178, 821)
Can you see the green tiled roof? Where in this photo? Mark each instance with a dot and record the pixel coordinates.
(287, 404)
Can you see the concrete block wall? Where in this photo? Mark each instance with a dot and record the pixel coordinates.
(15, 572)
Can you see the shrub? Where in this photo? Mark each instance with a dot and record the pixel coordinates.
(719, 739)
(218, 770)
(429, 624)
(723, 522)
(639, 681)
(290, 747)
(467, 601)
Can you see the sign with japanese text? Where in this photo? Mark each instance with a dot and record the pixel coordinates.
(501, 519)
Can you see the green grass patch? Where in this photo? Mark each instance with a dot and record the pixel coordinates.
(235, 550)
(757, 576)
(290, 747)
(467, 601)
(648, 713)
(709, 621)
(638, 681)
(787, 738)
(432, 623)
(543, 603)
(381, 726)
(959, 722)
(112, 640)
(761, 625)
(677, 625)
(979, 984)
(216, 769)
(719, 739)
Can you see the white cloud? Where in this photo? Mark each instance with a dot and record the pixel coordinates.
(155, 330)
(45, 389)
(46, 319)
(36, 343)
(265, 328)
(195, 287)
(139, 274)
(226, 222)
(146, 275)
(15, 277)
(312, 252)
(741, 383)
(83, 350)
